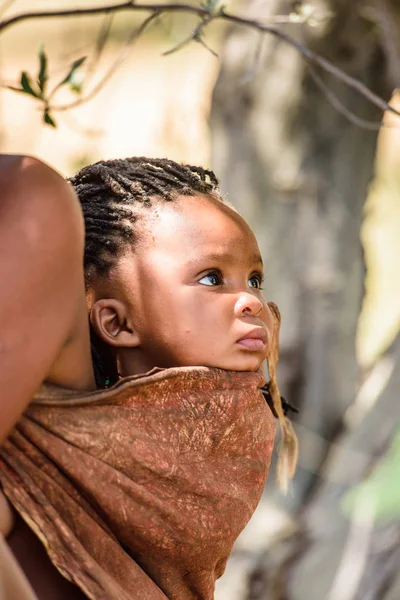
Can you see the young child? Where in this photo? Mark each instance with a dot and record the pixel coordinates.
(172, 463)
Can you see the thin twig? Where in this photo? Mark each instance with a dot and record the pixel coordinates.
(98, 10)
(180, 45)
(196, 36)
(342, 109)
(120, 58)
(339, 106)
(100, 45)
(252, 70)
(316, 59)
(211, 15)
(207, 47)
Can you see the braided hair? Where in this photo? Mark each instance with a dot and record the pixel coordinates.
(111, 194)
(109, 191)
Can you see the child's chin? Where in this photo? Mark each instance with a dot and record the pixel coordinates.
(244, 365)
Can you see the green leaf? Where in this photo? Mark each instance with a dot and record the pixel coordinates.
(43, 72)
(76, 88)
(381, 488)
(26, 85)
(74, 67)
(48, 119)
(210, 4)
(213, 6)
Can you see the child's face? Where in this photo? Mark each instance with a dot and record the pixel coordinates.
(193, 290)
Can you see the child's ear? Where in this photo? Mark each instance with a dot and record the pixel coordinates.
(109, 318)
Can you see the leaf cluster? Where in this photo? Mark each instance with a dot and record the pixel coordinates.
(37, 87)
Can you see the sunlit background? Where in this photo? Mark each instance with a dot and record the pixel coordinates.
(157, 106)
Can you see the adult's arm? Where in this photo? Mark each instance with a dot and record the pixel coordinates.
(13, 583)
(41, 281)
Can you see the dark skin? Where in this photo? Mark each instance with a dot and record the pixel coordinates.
(46, 272)
(153, 308)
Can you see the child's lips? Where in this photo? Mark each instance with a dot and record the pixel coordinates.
(255, 340)
(253, 344)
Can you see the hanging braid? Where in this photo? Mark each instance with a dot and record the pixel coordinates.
(110, 191)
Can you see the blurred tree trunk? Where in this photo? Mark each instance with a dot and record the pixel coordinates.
(299, 171)
(320, 562)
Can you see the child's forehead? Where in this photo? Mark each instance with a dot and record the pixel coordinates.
(195, 213)
(199, 226)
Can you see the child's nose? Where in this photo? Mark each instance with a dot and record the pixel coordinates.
(248, 305)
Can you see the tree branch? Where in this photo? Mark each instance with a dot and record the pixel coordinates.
(316, 59)
(111, 70)
(196, 36)
(101, 10)
(340, 107)
(208, 15)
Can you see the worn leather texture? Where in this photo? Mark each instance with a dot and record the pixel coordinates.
(140, 491)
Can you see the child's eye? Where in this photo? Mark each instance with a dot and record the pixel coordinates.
(211, 279)
(256, 281)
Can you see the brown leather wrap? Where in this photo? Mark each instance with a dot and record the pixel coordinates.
(141, 490)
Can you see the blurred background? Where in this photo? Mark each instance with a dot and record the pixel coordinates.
(305, 160)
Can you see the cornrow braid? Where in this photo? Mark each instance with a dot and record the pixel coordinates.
(109, 191)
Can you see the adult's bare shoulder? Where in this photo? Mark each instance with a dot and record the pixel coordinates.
(42, 289)
(41, 196)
